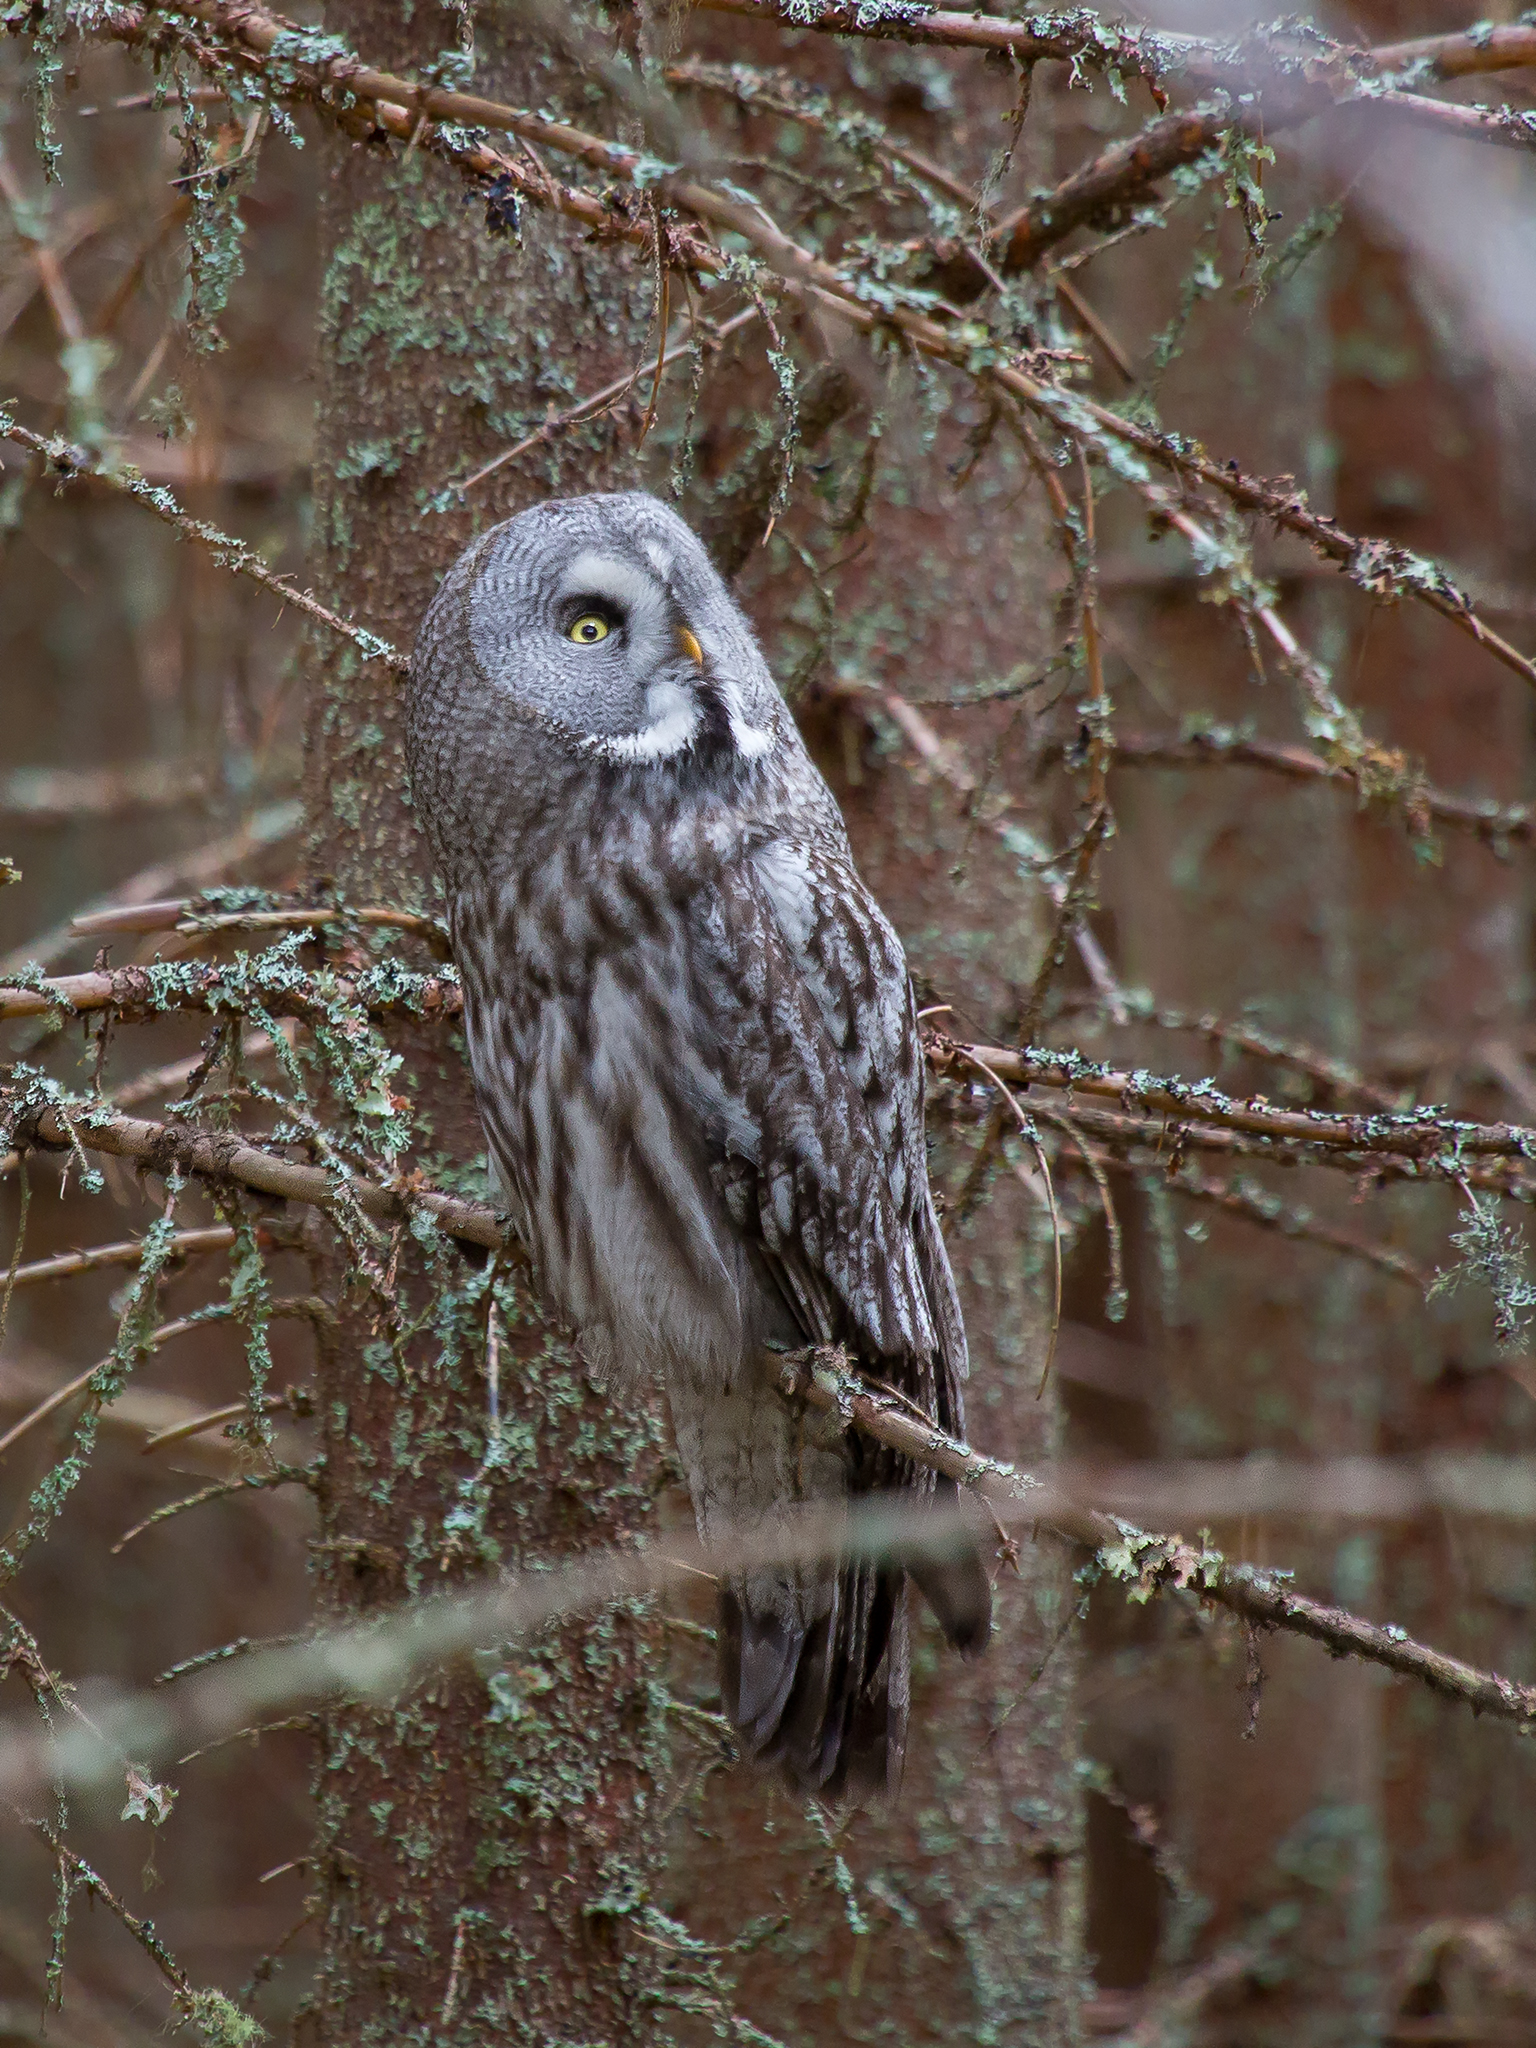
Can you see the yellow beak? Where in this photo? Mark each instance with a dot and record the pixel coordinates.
(690, 646)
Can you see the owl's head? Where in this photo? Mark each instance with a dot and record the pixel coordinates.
(603, 621)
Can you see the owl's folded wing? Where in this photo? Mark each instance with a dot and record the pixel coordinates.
(814, 1037)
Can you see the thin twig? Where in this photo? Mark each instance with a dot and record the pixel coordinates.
(65, 1265)
(1027, 1129)
(223, 1489)
(1259, 1207)
(81, 1383)
(69, 463)
(610, 394)
(214, 1418)
(221, 1156)
(182, 915)
(1498, 826)
(142, 1931)
(943, 761)
(1228, 1034)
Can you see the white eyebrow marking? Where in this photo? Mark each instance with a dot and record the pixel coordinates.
(661, 558)
(604, 576)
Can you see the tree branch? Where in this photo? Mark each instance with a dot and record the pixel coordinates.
(1421, 1134)
(1152, 52)
(1435, 1140)
(1497, 825)
(69, 463)
(1485, 48)
(1142, 1562)
(402, 107)
(219, 1156)
(182, 915)
(128, 1252)
(133, 993)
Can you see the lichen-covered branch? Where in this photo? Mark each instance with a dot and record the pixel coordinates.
(1080, 32)
(221, 1157)
(67, 463)
(408, 110)
(228, 987)
(1433, 1138)
(1144, 1563)
(1436, 1142)
(381, 1657)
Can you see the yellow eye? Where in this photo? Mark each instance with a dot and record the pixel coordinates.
(589, 629)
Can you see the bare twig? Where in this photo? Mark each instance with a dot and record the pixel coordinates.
(213, 1418)
(943, 761)
(65, 1265)
(60, 1397)
(1486, 48)
(182, 915)
(143, 1931)
(50, 272)
(154, 1083)
(1497, 825)
(221, 1489)
(589, 408)
(1072, 901)
(1229, 1034)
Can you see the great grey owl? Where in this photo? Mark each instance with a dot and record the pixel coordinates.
(696, 1054)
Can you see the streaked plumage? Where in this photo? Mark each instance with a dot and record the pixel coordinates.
(697, 1059)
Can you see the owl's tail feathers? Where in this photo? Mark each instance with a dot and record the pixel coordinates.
(953, 1580)
(825, 1703)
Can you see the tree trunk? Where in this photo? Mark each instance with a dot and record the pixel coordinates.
(955, 1915)
(481, 1840)
(504, 1825)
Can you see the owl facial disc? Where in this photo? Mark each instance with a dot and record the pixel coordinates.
(604, 619)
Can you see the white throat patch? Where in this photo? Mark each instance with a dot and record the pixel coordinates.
(673, 728)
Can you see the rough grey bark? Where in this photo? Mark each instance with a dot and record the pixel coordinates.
(483, 1842)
